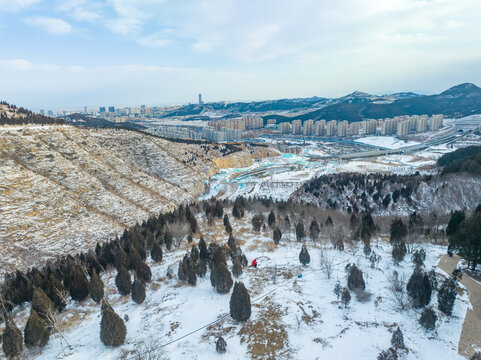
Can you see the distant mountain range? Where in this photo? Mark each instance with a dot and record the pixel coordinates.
(458, 101)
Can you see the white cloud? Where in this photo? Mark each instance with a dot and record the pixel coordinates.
(15, 5)
(50, 25)
(154, 40)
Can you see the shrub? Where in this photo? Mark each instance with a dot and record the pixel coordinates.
(203, 254)
(355, 279)
(345, 296)
(389, 354)
(96, 287)
(112, 327)
(428, 318)
(36, 332)
(300, 232)
(12, 340)
(397, 339)
(123, 281)
(240, 303)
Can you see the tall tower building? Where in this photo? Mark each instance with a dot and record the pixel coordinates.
(200, 100)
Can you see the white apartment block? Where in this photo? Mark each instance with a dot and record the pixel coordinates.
(354, 128)
(370, 127)
(402, 128)
(331, 128)
(342, 128)
(296, 127)
(308, 128)
(285, 128)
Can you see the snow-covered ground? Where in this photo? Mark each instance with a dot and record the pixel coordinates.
(387, 142)
(297, 317)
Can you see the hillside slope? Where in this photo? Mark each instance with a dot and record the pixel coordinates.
(63, 188)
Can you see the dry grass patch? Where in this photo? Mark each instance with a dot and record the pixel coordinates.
(266, 337)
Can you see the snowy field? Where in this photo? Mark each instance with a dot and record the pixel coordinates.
(297, 317)
(387, 142)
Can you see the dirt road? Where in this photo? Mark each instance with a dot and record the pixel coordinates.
(470, 339)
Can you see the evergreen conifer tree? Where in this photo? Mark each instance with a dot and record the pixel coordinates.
(428, 318)
(36, 333)
(447, 296)
(276, 235)
(12, 339)
(355, 280)
(112, 327)
(156, 252)
(397, 339)
(96, 287)
(240, 304)
(304, 257)
(419, 288)
(138, 291)
(123, 281)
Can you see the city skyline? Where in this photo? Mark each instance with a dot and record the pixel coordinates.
(76, 53)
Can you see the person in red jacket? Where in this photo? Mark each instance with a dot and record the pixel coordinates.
(254, 263)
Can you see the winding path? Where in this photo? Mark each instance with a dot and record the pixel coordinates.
(470, 340)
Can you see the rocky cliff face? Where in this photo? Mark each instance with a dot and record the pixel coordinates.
(63, 189)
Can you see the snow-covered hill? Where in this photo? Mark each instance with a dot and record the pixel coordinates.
(295, 313)
(62, 189)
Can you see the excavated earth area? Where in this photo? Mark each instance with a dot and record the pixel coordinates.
(63, 189)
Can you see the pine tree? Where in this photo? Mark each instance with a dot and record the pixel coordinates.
(256, 223)
(43, 306)
(240, 303)
(36, 333)
(194, 253)
(454, 222)
(314, 230)
(143, 272)
(134, 258)
(203, 254)
(112, 327)
(355, 280)
(231, 243)
(345, 296)
(271, 219)
(221, 278)
(156, 252)
(397, 339)
(389, 354)
(123, 281)
(121, 259)
(428, 318)
(419, 288)
(201, 268)
(168, 239)
(300, 232)
(398, 251)
(237, 266)
(398, 230)
(447, 296)
(418, 257)
(276, 235)
(55, 290)
(96, 287)
(138, 291)
(76, 282)
(329, 221)
(12, 339)
(304, 257)
(221, 345)
(180, 272)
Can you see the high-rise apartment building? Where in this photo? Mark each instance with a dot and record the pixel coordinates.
(284, 127)
(308, 128)
(342, 128)
(331, 128)
(296, 127)
(354, 128)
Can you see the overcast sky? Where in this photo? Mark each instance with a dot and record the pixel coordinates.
(74, 53)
